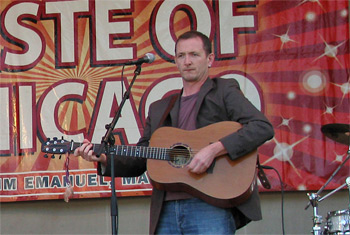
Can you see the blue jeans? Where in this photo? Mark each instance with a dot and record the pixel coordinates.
(193, 216)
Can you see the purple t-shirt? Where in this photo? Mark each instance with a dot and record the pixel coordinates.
(187, 121)
(187, 118)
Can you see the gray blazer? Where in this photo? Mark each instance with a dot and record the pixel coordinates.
(219, 100)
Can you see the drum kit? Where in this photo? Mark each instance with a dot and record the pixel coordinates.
(337, 222)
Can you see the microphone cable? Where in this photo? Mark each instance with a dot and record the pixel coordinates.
(282, 193)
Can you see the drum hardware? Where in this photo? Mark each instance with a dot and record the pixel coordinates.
(335, 219)
(335, 190)
(338, 222)
(317, 219)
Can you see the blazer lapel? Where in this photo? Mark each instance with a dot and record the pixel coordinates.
(206, 87)
(174, 113)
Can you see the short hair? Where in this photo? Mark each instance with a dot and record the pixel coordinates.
(196, 34)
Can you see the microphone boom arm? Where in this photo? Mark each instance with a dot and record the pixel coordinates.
(108, 138)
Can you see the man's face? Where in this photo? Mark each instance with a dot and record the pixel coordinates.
(192, 61)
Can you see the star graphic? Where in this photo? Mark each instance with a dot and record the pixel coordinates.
(329, 110)
(284, 152)
(285, 122)
(345, 89)
(338, 158)
(284, 38)
(330, 51)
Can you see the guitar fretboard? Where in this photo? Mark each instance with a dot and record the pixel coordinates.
(135, 151)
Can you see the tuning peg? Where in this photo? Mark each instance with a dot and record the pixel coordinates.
(45, 156)
(60, 157)
(53, 156)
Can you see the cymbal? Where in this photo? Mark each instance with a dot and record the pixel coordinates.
(337, 132)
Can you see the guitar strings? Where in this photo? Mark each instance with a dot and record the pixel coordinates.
(154, 150)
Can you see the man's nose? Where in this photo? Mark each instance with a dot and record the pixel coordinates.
(188, 60)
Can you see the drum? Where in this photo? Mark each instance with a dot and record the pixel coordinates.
(338, 222)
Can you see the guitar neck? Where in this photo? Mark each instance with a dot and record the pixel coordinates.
(132, 151)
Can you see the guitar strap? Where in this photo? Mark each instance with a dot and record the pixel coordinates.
(167, 111)
(262, 177)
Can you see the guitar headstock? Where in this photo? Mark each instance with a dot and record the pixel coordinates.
(56, 146)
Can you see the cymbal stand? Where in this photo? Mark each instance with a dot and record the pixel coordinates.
(317, 219)
(332, 192)
(347, 181)
(314, 199)
(332, 176)
(335, 172)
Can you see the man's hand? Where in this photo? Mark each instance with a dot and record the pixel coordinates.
(203, 159)
(87, 153)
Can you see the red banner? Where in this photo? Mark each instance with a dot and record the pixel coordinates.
(61, 75)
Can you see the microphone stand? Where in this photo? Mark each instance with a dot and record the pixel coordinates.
(107, 144)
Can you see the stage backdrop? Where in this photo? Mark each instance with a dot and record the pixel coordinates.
(61, 76)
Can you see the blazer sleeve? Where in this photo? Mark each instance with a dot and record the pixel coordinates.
(256, 129)
(131, 166)
(128, 166)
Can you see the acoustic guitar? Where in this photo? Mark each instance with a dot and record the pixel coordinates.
(226, 183)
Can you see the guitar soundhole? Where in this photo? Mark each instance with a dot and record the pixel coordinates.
(180, 156)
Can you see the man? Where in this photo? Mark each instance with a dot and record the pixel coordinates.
(202, 101)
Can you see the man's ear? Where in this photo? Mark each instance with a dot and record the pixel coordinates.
(211, 58)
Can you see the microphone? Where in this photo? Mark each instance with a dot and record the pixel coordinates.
(148, 58)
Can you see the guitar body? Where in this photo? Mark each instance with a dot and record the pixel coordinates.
(227, 183)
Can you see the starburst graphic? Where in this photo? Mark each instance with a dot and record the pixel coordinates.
(285, 122)
(284, 38)
(284, 153)
(338, 158)
(330, 51)
(345, 89)
(329, 110)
